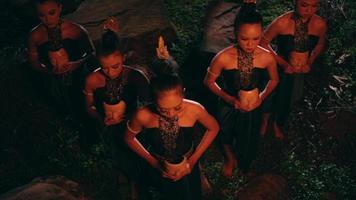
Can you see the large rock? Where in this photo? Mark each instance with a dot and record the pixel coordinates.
(140, 22)
(219, 28)
(265, 187)
(46, 188)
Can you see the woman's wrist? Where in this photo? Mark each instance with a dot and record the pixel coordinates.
(153, 162)
(229, 99)
(192, 161)
(262, 96)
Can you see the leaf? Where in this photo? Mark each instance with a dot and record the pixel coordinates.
(340, 79)
(336, 90)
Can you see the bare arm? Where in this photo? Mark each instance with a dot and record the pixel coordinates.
(212, 74)
(212, 129)
(32, 54)
(89, 89)
(269, 34)
(273, 78)
(134, 126)
(320, 45)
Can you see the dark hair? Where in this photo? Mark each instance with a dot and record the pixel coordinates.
(247, 15)
(165, 82)
(110, 43)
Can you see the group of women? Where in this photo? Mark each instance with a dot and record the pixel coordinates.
(126, 102)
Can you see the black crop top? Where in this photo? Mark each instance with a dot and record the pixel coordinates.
(232, 84)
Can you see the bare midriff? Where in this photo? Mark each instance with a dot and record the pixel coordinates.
(248, 98)
(298, 59)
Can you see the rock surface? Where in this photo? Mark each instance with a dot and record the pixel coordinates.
(57, 187)
(219, 28)
(140, 22)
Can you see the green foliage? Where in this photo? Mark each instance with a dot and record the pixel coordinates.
(310, 180)
(94, 168)
(187, 18)
(223, 188)
(272, 9)
(341, 50)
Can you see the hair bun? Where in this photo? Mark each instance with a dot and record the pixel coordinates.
(110, 40)
(248, 8)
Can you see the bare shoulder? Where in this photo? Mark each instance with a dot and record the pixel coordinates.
(224, 56)
(75, 28)
(193, 106)
(283, 20)
(143, 115)
(265, 55)
(37, 34)
(94, 80)
(319, 22)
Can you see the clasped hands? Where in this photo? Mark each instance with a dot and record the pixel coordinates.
(60, 62)
(292, 69)
(174, 172)
(109, 120)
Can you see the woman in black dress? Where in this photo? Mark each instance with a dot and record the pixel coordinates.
(168, 126)
(299, 36)
(60, 49)
(112, 93)
(241, 67)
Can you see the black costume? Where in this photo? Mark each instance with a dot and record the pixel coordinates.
(290, 87)
(131, 86)
(240, 129)
(171, 143)
(66, 89)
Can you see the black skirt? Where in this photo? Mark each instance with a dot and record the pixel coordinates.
(241, 131)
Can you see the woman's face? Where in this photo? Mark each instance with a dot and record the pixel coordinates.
(112, 64)
(49, 13)
(249, 36)
(306, 8)
(170, 103)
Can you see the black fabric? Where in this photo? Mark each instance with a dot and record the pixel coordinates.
(75, 48)
(135, 91)
(184, 142)
(240, 129)
(285, 44)
(232, 80)
(188, 188)
(124, 159)
(66, 89)
(290, 87)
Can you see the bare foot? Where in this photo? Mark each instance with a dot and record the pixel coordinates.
(277, 132)
(228, 167)
(205, 184)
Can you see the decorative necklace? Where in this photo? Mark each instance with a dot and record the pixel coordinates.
(300, 33)
(169, 131)
(113, 90)
(55, 37)
(245, 65)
